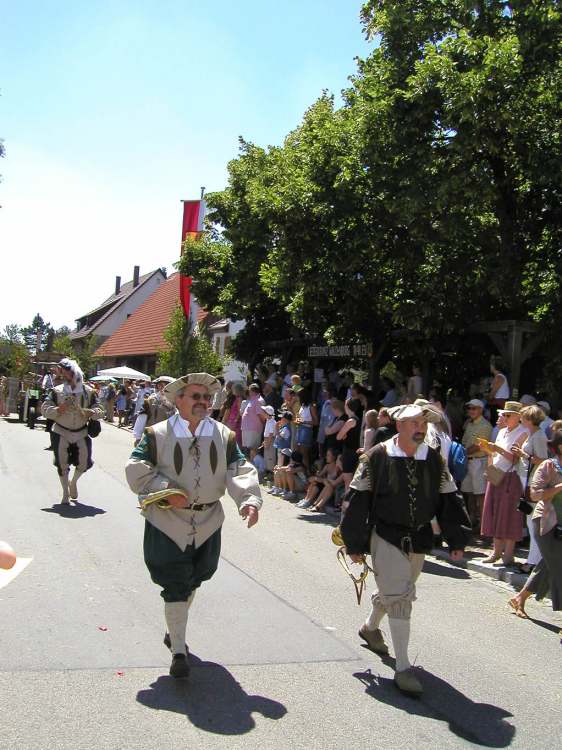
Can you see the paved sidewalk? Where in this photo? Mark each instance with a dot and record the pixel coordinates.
(473, 561)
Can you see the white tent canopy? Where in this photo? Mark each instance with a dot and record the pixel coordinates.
(123, 373)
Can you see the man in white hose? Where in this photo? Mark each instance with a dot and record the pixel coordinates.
(180, 470)
(71, 406)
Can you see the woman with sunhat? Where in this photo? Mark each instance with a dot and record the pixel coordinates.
(500, 517)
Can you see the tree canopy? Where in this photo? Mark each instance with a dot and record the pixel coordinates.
(430, 199)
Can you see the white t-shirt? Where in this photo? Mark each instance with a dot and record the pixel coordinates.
(506, 439)
(269, 428)
(503, 390)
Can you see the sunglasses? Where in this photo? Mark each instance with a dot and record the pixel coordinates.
(199, 396)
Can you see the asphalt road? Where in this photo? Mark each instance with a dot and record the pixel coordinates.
(275, 654)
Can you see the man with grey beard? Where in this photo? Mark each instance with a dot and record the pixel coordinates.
(404, 484)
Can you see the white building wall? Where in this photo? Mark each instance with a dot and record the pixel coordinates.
(132, 303)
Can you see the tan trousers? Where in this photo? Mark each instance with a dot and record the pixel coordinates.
(395, 574)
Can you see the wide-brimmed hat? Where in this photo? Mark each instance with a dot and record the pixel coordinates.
(163, 379)
(193, 378)
(429, 410)
(511, 407)
(406, 411)
(269, 410)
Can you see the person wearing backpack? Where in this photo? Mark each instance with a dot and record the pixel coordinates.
(473, 485)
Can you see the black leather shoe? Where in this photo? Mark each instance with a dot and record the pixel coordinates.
(179, 667)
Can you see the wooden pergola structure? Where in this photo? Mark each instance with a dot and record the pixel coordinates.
(515, 340)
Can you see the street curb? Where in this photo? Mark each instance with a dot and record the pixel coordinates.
(517, 580)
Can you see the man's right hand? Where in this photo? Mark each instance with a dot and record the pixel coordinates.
(178, 501)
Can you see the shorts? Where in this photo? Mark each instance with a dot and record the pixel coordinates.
(474, 482)
(349, 462)
(304, 435)
(251, 439)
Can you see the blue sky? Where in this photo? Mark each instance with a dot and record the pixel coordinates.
(112, 112)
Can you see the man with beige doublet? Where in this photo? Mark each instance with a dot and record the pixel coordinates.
(199, 457)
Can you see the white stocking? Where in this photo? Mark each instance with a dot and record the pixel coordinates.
(176, 621)
(377, 613)
(64, 482)
(73, 482)
(400, 632)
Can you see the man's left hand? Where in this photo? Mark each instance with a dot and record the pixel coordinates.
(456, 555)
(251, 513)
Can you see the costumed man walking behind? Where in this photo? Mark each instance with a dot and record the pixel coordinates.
(187, 463)
(398, 487)
(70, 406)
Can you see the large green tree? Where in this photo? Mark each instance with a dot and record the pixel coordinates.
(429, 200)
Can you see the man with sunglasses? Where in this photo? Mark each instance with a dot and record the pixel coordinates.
(198, 456)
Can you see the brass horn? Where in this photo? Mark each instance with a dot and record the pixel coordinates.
(358, 581)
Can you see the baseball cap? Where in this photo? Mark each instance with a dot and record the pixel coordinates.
(475, 402)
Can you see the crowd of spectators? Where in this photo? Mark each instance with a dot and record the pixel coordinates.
(305, 435)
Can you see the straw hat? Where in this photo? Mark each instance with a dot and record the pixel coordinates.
(194, 378)
(511, 407)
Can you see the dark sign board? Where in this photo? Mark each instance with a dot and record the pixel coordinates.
(340, 351)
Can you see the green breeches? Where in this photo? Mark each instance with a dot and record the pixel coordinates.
(179, 572)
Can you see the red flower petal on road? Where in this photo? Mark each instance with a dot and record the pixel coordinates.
(102, 627)
(119, 674)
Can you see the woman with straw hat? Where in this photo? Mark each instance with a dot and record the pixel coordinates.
(500, 517)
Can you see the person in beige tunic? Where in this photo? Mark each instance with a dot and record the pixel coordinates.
(199, 457)
(70, 406)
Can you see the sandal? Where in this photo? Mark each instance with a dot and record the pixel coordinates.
(490, 559)
(518, 609)
(525, 568)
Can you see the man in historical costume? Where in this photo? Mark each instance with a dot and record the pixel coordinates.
(159, 406)
(403, 483)
(71, 406)
(198, 457)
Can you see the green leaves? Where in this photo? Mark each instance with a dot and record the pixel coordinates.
(430, 199)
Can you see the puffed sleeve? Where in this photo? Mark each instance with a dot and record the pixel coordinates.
(142, 475)
(242, 483)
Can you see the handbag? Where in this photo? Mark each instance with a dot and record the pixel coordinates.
(93, 428)
(494, 475)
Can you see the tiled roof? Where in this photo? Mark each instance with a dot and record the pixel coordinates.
(143, 332)
(110, 304)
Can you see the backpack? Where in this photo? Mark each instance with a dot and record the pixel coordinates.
(458, 462)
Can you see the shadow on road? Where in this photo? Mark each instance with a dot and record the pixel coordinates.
(442, 570)
(479, 723)
(211, 699)
(74, 511)
(546, 625)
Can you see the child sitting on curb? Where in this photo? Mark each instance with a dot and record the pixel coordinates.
(290, 479)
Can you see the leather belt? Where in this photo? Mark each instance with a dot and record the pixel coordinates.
(159, 498)
(72, 429)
